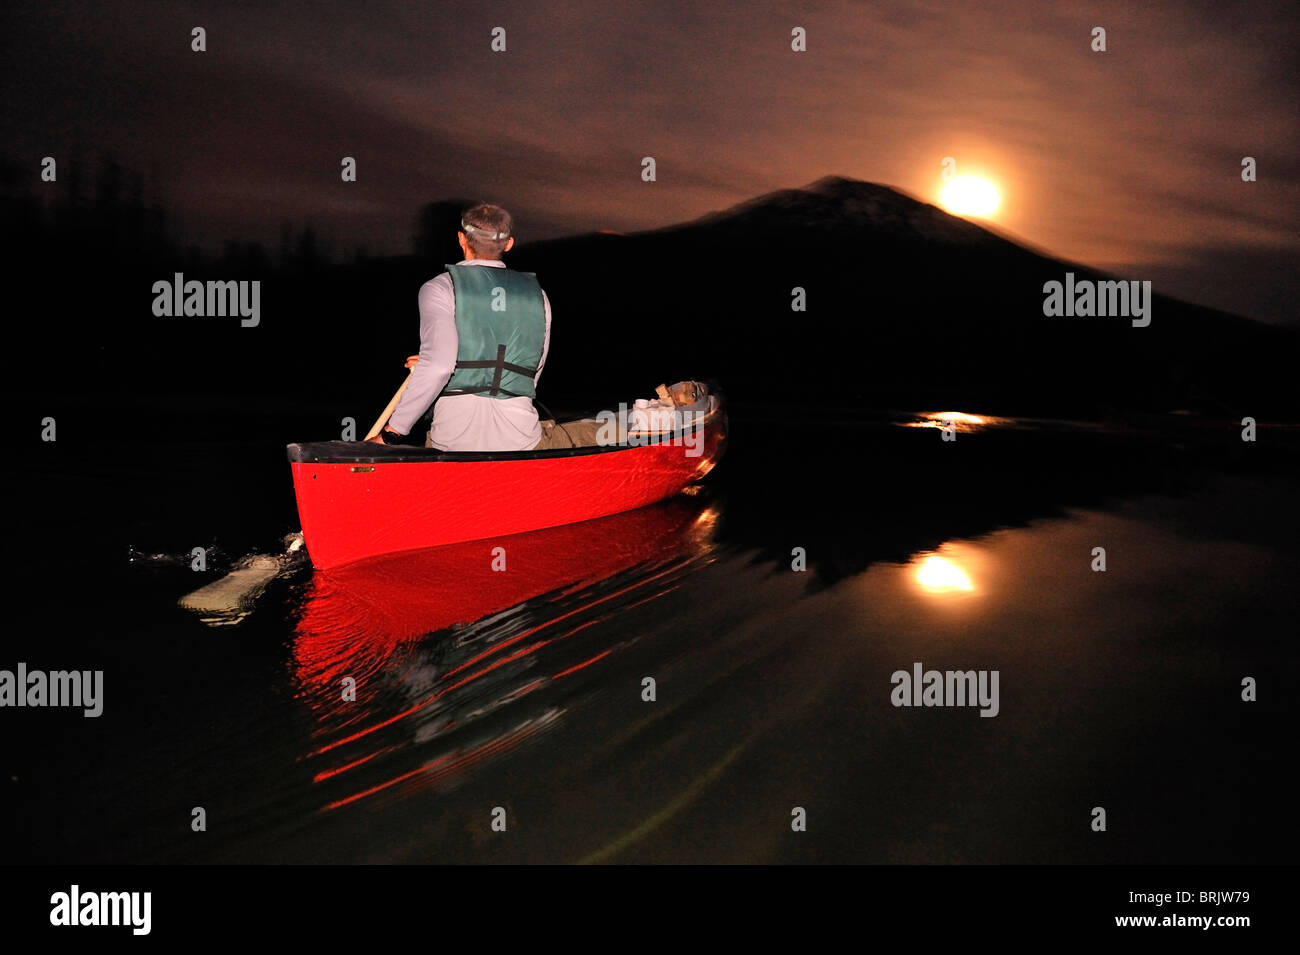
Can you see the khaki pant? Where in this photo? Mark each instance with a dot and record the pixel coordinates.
(573, 434)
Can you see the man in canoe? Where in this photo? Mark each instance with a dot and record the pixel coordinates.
(484, 334)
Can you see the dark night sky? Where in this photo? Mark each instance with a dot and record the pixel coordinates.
(1127, 160)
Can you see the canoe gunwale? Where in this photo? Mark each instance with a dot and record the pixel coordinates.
(360, 452)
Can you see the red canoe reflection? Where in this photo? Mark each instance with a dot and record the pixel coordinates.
(515, 603)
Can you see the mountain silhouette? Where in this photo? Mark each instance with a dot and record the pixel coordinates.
(906, 306)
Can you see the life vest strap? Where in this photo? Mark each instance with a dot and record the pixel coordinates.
(483, 390)
(500, 365)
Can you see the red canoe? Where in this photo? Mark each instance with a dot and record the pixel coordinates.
(359, 500)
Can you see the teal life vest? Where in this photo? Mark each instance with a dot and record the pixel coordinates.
(501, 326)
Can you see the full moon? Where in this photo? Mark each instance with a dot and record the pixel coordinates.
(939, 573)
(970, 196)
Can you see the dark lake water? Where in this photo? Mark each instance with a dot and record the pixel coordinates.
(480, 691)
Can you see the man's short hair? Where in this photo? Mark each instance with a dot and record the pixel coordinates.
(487, 228)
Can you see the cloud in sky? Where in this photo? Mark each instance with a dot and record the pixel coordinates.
(1128, 159)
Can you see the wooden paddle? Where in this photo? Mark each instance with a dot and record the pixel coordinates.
(388, 412)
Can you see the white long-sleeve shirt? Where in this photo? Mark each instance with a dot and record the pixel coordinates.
(462, 422)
